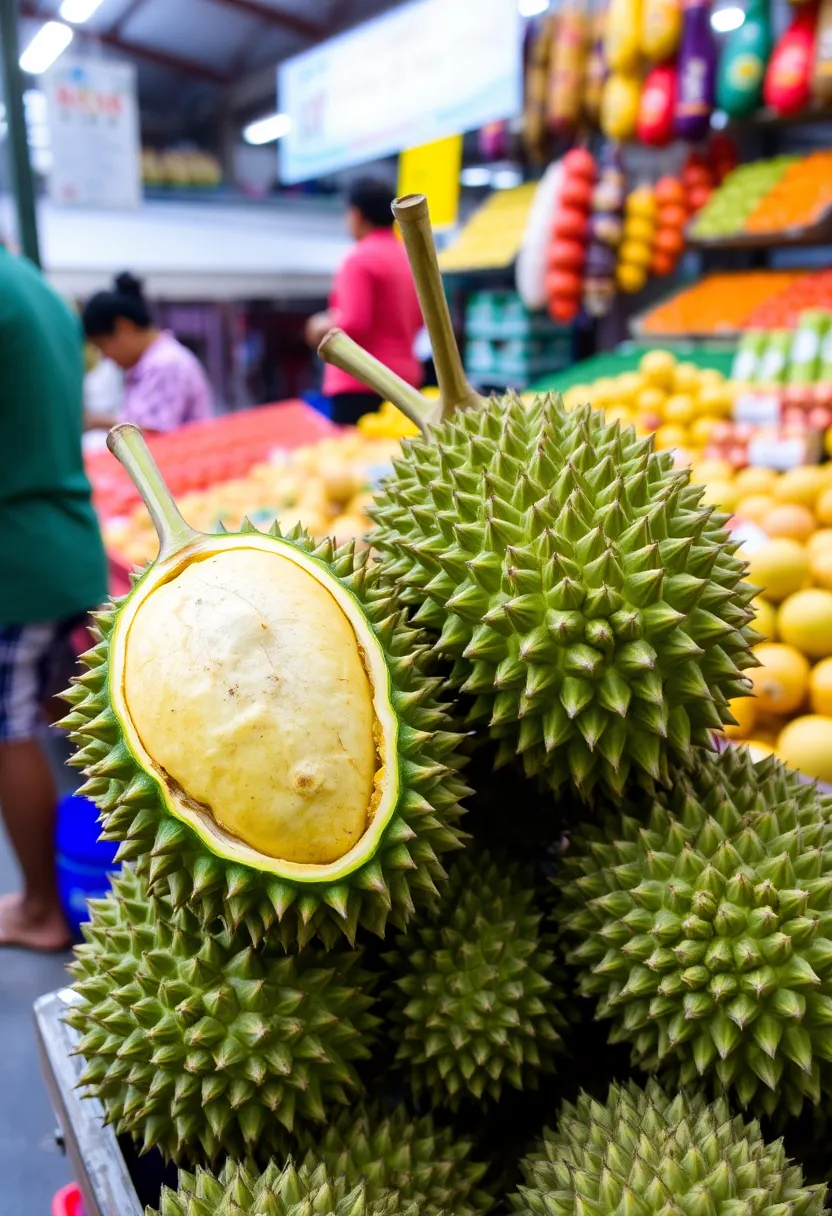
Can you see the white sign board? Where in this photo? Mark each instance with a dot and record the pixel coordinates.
(430, 69)
(94, 127)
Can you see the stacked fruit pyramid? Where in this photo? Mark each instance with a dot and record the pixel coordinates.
(318, 987)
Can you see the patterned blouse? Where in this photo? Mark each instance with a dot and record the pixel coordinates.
(166, 388)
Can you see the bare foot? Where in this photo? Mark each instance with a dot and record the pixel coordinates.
(44, 930)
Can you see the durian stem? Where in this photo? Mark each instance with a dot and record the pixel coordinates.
(414, 220)
(129, 447)
(339, 349)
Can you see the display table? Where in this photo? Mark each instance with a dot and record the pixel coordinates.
(99, 1167)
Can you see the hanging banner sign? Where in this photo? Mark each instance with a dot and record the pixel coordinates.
(433, 170)
(93, 119)
(427, 70)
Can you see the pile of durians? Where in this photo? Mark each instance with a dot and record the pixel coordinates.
(333, 977)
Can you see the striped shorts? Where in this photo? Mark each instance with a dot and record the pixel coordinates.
(36, 662)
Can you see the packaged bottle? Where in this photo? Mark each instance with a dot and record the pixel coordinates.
(789, 73)
(775, 357)
(822, 72)
(697, 72)
(805, 352)
(745, 368)
(742, 65)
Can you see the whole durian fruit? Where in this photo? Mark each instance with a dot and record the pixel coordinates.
(706, 930)
(303, 1191)
(422, 1162)
(202, 1045)
(475, 1005)
(642, 1152)
(259, 729)
(593, 605)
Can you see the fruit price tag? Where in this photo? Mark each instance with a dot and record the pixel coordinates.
(779, 452)
(762, 409)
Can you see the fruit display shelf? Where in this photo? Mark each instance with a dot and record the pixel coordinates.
(203, 453)
(817, 233)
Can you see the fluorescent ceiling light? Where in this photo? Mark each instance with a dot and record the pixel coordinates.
(723, 20)
(506, 179)
(267, 130)
(78, 11)
(532, 8)
(475, 176)
(49, 42)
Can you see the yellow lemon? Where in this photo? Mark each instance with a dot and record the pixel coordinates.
(630, 278)
(721, 494)
(578, 394)
(779, 568)
(820, 562)
(744, 709)
(711, 470)
(604, 390)
(755, 481)
(805, 621)
(823, 506)
(755, 507)
(707, 377)
(657, 367)
(670, 437)
(819, 541)
(650, 401)
(765, 620)
(801, 486)
(619, 413)
(701, 430)
(806, 744)
(714, 401)
(679, 410)
(685, 378)
(820, 687)
(629, 385)
(780, 684)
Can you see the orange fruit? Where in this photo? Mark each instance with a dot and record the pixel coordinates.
(744, 709)
(782, 681)
(823, 506)
(765, 619)
(801, 485)
(820, 561)
(789, 520)
(755, 481)
(818, 541)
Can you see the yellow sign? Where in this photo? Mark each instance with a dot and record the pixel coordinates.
(433, 170)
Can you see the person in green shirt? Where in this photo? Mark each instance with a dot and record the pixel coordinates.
(52, 572)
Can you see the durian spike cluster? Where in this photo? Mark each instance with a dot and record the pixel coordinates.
(271, 728)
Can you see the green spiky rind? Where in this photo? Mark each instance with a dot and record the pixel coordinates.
(594, 607)
(306, 1190)
(406, 868)
(642, 1152)
(706, 931)
(422, 1162)
(475, 1004)
(201, 1045)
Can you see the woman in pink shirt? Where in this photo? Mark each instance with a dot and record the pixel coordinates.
(373, 300)
(164, 385)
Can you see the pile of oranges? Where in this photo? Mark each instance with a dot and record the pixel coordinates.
(720, 303)
(800, 198)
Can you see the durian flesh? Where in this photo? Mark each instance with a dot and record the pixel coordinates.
(244, 687)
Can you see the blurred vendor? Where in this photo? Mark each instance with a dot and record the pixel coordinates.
(164, 384)
(373, 300)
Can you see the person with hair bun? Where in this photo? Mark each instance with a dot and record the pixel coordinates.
(164, 384)
(373, 300)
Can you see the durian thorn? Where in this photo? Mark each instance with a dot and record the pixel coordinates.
(413, 216)
(339, 349)
(128, 445)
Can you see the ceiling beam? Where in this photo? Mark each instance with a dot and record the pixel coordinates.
(137, 50)
(278, 17)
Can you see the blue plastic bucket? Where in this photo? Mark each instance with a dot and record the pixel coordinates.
(84, 863)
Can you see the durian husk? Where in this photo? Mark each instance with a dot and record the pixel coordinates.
(405, 869)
